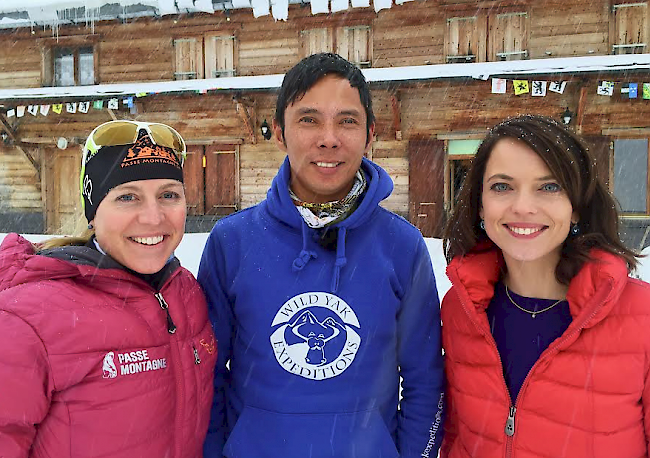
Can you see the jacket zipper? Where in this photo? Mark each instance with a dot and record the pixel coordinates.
(171, 327)
(512, 410)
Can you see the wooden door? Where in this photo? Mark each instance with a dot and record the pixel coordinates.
(221, 179)
(600, 148)
(63, 199)
(426, 186)
(194, 180)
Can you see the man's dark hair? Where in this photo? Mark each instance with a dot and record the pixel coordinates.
(306, 73)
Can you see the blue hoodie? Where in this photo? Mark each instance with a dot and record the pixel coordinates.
(318, 338)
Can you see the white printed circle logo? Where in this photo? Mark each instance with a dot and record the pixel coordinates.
(315, 336)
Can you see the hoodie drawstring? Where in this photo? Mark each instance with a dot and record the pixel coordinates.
(305, 255)
(341, 260)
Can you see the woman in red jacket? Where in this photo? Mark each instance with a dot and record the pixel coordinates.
(545, 335)
(105, 345)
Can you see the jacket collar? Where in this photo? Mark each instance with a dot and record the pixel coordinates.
(592, 294)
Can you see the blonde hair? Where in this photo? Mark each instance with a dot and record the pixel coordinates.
(84, 234)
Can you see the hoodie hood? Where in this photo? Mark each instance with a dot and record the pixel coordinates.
(281, 207)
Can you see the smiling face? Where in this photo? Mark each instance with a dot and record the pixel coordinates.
(140, 223)
(526, 212)
(325, 138)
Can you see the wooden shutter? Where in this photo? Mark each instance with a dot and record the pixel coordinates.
(62, 199)
(316, 40)
(221, 179)
(194, 181)
(461, 40)
(219, 56)
(188, 58)
(509, 36)
(353, 43)
(630, 28)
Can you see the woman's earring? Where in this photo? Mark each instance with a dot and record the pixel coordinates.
(575, 229)
(482, 224)
(90, 226)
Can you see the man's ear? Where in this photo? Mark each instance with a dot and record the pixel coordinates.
(278, 136)
(371, 137)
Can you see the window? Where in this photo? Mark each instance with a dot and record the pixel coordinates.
(219, 56)
(460, 154)
(461, 41)
(188, 58)
(317, 40)
(631, 175)
(509, 36)
(73, 66)
(353, 43)
(630, 25)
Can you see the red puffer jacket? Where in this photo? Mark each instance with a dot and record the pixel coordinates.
(587, 396)
(88, 366)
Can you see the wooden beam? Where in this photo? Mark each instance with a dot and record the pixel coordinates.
(245, 116)
(582, 103)
(18, 144)
(397, 114)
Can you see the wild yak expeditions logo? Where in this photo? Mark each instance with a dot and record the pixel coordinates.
(315, 336)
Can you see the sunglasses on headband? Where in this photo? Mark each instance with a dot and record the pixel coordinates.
(115, 133)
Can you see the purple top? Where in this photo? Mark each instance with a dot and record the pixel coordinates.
(520, 338)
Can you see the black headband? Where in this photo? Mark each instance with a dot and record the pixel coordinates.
(112, 166)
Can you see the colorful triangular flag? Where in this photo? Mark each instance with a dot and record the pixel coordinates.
(11, 113)
(45, 109)
(33, 110)
(113, 104)
(57, 108)
(98, 104)
(557, 86)
(521, 87)
(83, 107)
(605, 88)
(498, 86)
(20, 111)
(646, 91)
(539, 89)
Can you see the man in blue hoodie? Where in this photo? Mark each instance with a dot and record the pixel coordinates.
(321, 300)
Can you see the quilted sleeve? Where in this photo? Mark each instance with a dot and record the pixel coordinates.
(26, 385)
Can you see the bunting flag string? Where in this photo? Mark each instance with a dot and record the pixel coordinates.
(518, 87)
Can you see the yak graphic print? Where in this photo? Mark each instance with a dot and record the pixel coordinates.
(315, 335)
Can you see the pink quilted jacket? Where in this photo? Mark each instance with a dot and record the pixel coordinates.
(88, 365)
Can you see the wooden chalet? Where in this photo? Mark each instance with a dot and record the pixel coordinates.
(431, 64)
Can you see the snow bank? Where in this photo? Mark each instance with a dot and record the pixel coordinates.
(191, 247)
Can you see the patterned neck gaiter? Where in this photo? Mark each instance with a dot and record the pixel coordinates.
(319, 215)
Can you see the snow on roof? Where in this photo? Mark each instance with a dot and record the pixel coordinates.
(483, 71)
(53, 13)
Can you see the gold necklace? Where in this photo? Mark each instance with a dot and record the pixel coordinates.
(528, 311)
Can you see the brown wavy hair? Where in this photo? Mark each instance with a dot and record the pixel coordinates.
(573, 166)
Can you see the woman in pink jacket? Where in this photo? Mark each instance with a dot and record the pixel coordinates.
(105, 345)
(545, 335)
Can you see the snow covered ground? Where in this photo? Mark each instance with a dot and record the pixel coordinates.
(190, 249)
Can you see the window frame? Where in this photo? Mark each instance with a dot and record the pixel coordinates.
(48, 58)
(613, 178)
(194, 56)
